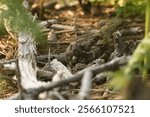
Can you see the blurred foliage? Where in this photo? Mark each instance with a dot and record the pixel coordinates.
(139, 64)
(18, 18)
(131, 8)
(125, 7)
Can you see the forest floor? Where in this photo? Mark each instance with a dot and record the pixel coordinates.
(85, 22)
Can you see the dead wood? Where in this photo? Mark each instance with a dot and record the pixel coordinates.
(62, 27)
(48, 23)
(95, 69)
(32, 92)
(86, 85)
(26, 66)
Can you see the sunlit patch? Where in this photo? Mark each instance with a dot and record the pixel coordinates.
(3, 7)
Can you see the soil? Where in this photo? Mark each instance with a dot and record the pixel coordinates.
(87, 25)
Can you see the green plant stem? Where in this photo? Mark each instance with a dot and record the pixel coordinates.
(147, 36)
(147, 23)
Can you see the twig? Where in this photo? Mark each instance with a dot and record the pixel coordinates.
(49, 55)
(62, 27)
(47, 23)
(86, 85)
(63, 31)
(7, 61)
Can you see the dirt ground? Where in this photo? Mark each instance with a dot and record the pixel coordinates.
(85, 22)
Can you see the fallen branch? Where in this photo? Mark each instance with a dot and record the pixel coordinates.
(110, 66)
(62, 27)
(33, 92)
(27, 69)
(47, 23)
(86, 85)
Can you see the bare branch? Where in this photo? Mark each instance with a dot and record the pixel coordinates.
(86, 85)
(27, 67)
(110, 66)
(62, 27)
